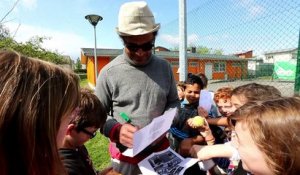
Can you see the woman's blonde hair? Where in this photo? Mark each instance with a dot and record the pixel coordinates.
(34, 97)
(275, 128)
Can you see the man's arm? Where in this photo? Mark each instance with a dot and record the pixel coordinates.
(173, 99)
(103, 92)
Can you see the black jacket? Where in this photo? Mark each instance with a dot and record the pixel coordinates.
(77, 162)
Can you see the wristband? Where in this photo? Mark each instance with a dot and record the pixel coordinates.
(210, 142)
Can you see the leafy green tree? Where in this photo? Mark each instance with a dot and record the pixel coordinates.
(218, 52)
(33, 48)
(203, 50)
(78, 64)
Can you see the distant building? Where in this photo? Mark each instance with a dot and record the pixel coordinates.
(69, 62)
(216, 67)
(280, 55)
(284, 63)
(247, 54)
(253, 63)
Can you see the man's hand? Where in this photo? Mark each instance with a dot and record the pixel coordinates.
(126, 134)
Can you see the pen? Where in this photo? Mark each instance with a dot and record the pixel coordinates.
(125, 117)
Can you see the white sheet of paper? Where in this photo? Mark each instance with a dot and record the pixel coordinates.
(165, 162)
(206, 99)
(145, 136)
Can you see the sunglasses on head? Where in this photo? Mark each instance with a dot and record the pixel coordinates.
(91, 134)
(134, 47)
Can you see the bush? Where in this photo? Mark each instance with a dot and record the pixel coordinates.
(80, 71)
(82, 76)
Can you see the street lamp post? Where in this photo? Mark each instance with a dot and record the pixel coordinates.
(94, 19)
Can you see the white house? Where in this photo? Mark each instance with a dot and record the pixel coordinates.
(284, 63)
(280, 55)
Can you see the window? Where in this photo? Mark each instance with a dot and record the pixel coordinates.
(219, 67)
(236, 64)
(193, 64)
(174, 64)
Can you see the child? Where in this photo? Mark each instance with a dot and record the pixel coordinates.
(240, 96)
(90, 117)
(179, 129)
(223, 102)
(37, 101)
(204, 79)
(268, 136)
(222, 99)
(180, 89)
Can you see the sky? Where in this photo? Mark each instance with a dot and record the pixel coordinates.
(63, 23)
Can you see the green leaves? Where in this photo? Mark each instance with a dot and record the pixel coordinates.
(32, 48)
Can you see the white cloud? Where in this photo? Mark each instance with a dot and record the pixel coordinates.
(172, 40)
(256, 10)
(66, 43)
(215, 38)
(251, 6)
(192, 39)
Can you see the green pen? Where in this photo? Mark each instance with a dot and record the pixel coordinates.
(125, 117)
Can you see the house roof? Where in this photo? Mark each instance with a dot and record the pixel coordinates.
(282, 51)
(165, 54)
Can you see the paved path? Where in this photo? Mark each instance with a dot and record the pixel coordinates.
(286, 88)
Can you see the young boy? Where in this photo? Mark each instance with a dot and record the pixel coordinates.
(179, 129)
(223, 103)
(89, 117)
(180, 90)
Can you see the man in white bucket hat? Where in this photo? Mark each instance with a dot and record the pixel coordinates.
(137, 83)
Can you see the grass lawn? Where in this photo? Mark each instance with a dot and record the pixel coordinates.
(98, 146)
(83, 83)
(98, 150)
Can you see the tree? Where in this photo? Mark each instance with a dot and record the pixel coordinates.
(218, 52)
(4, 32)
(33, 48)
(203, 50)
(78, 64)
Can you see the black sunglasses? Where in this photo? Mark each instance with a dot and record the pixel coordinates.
(134, 47)
(91, 134)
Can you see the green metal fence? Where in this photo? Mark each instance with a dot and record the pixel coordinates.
(265, 32)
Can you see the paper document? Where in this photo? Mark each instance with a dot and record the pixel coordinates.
(148, 134)
(168, 162)
(206, 99)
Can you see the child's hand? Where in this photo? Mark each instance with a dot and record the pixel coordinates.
(202, 112)
(196, 123)
(203, 129)
(108, 171)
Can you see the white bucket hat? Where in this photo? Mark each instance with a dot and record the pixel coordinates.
(135, 18)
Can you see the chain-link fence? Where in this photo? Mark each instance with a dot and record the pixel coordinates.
(235, 42)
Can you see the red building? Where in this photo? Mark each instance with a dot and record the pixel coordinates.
(216, 67)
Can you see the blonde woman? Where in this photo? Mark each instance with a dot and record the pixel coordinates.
(38, 100)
